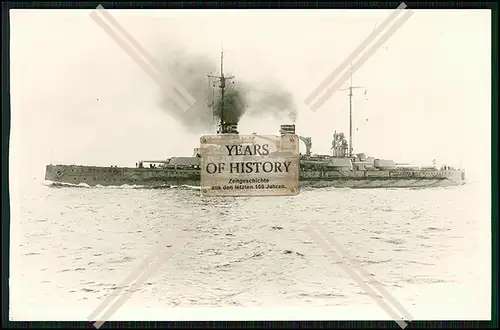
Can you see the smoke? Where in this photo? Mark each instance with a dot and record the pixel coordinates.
(270, 99)
(240, 97)
(191, 73)
(234, 105)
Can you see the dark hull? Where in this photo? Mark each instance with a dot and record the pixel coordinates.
(107, 176)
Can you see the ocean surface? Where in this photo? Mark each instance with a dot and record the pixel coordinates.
(71, 247)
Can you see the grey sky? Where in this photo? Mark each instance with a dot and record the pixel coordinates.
(428, 87)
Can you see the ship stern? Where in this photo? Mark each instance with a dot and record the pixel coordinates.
(458, 177)
(463, 177)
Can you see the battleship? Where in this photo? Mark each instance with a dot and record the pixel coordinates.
(342, 168)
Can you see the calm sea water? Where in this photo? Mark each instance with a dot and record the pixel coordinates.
(73, 246)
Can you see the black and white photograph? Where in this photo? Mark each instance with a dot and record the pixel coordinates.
(170, 165)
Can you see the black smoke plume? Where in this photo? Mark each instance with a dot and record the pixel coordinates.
(240, 97)
(233, 107)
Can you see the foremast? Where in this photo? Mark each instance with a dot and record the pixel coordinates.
(225, 126)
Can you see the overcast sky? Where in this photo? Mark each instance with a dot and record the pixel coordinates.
(78, 98)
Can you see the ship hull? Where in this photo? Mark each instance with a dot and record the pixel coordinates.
(118, 176)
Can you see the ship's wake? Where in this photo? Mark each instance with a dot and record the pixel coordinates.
(60, 185)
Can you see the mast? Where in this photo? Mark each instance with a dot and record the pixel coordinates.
(222, 88)
(350, 116)
(350, 88)
(222, 85)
